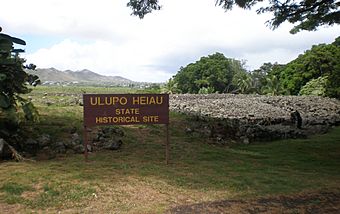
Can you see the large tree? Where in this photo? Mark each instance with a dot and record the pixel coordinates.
(13, 83)
(320, 61)
(214, 72)
(261, 78)
(13, 77)
(305, 14)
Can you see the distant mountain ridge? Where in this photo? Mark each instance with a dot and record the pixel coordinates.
(52, 75)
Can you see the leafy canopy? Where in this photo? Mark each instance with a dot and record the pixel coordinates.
(259, 76)
(213, 73)
(13, 82)
(316, 87)
(320, 61)
(305, 14)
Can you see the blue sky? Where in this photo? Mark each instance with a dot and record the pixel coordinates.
(36, 42)
(103, 37)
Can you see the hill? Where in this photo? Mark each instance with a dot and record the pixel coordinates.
(51, 76)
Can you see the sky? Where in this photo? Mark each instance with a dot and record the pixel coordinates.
(103, 37)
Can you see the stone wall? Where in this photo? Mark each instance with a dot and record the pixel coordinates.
(257, 117)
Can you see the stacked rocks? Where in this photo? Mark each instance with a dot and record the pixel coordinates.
(258, 117)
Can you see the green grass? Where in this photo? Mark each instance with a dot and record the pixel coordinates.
(136, 179)
(14, 188)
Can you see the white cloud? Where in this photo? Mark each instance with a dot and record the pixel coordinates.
(154, 48)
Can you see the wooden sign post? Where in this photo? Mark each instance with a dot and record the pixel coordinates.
(125, 109)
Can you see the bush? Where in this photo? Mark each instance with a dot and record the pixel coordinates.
(315, 87)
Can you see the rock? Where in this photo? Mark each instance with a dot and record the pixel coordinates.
(70, 144)
(77, 101)
(254, 115)
(113, 145)
(31, 141)
(76, 138)
(49, 103)
(245, 140)
(79, 149)
(118, 131)
(108, 138)
(220, 140)
(59, 147)
(251, 132)
(44, 140)
(75, 143)
(89, 148)
(113, 130)
(31, 146)
(188, 130)
(101, 138)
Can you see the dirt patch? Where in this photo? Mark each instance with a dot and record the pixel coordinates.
(322, 202)
(10, 208)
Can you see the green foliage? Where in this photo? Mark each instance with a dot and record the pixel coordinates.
(336, 42)
(14, 188)
(333, 86)
(260, 75)
(321, 60)
(315, 87)
(141, 7)
(13, 82)
(206, 90)
(243, 81)
(171, 87)
(4, 101)
(272, 86)
(31, 113)
(306, 14)
(214, 71)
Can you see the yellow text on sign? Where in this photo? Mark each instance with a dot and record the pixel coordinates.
(121, 111)
(136, 100)
(127, 119)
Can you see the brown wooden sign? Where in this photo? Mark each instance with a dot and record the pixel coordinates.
(125, 109)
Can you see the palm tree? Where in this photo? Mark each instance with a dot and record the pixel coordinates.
(171, 87)
(273, 86)
(243, 81)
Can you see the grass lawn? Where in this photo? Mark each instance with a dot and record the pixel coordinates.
(135, 179)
